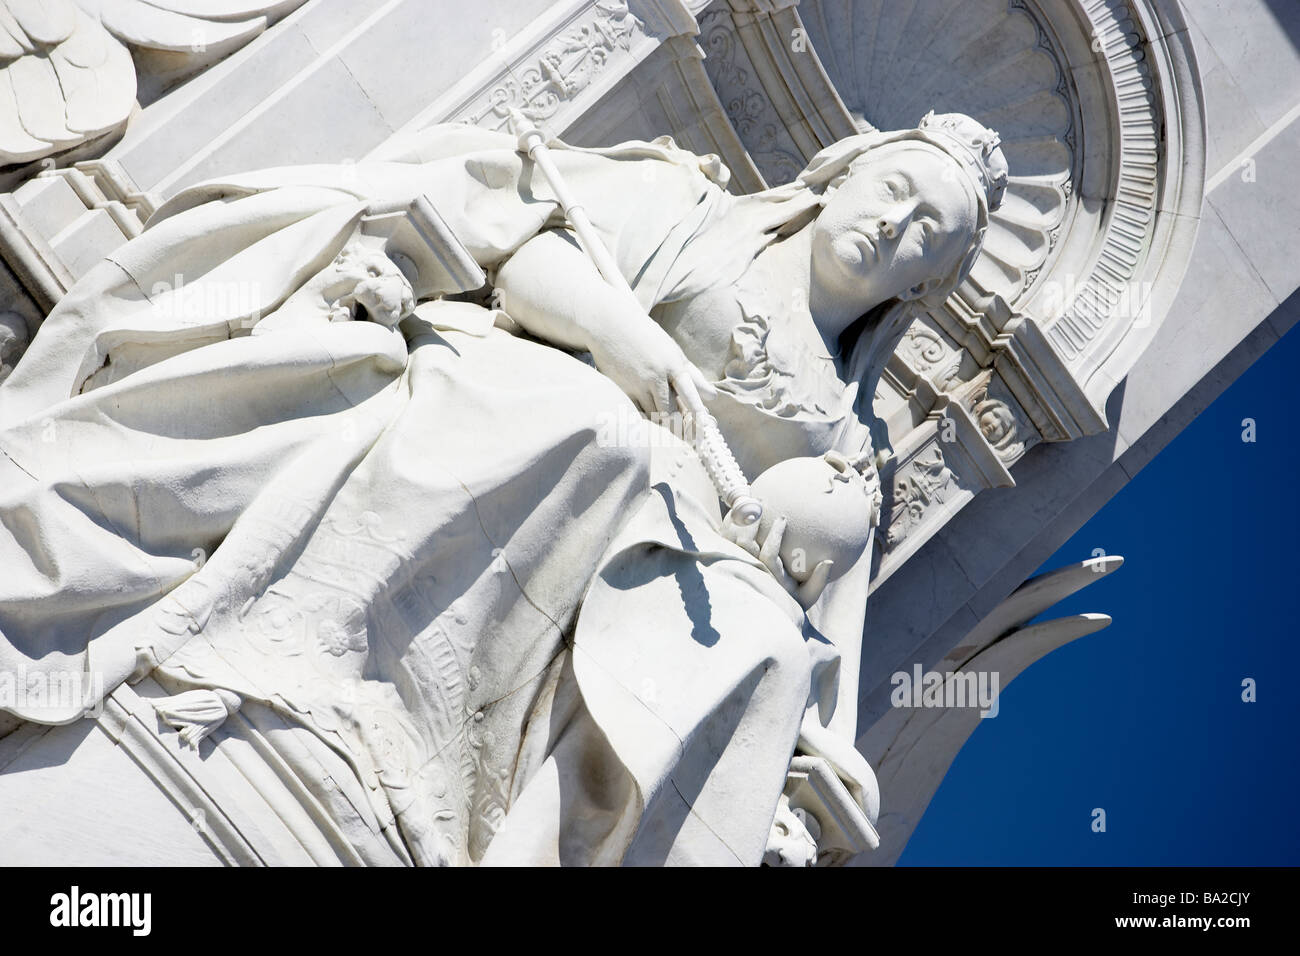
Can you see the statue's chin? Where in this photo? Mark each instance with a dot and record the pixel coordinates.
(846, 281)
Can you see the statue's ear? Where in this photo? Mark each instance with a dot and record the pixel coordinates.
(921, 290)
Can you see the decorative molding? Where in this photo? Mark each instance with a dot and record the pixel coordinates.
(747, 105)
(671, 92)
(563, 68)
(29, 256)
(777, 94)
(33, 247)
(1138, 121)
(1154, 195)
(927, 346)
(558, 68)
(943, 463)
(924, 482)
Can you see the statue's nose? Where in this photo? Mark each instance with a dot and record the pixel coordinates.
(893, 221)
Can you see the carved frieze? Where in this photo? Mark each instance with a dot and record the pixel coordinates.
(564, 67)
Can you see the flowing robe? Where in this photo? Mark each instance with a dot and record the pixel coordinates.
(525, 639)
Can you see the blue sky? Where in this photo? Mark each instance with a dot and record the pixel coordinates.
(1145, 719)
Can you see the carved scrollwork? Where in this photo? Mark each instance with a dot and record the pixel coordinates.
(927, 348)
(565, 67)
(742, 96)
(924, 481)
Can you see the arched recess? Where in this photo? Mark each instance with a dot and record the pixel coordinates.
(1102, 118)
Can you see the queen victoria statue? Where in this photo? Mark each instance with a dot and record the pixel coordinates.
(399, 505)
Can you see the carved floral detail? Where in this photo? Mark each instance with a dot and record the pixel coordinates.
(924, 482)
(566, 66)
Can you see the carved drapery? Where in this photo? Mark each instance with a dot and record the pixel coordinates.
(1078, 264)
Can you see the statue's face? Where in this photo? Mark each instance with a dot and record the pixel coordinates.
(901, 222)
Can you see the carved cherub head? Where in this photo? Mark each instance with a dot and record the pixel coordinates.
(362, 282)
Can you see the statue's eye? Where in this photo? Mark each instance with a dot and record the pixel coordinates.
(892, 190)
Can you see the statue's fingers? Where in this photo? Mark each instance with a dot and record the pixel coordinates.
(863, 460)
(743, 535)
(770, 552)
(688, 395)
(703, 386)
(662, 397)
(812, 589)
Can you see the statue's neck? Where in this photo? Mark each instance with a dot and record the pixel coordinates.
(790, 261)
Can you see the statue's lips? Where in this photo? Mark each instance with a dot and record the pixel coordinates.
(866, 246)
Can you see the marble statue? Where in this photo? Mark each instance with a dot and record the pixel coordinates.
(449, 548)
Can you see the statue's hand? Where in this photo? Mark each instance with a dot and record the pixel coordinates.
(767, 548)
(652, 370)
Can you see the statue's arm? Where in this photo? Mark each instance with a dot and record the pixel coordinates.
(552, 289)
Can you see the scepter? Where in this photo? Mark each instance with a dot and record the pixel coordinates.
(712, 448)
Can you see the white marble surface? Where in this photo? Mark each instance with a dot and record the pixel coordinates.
(275, 442)
(261, 107)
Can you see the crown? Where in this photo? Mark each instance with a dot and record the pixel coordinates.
(973, 145)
